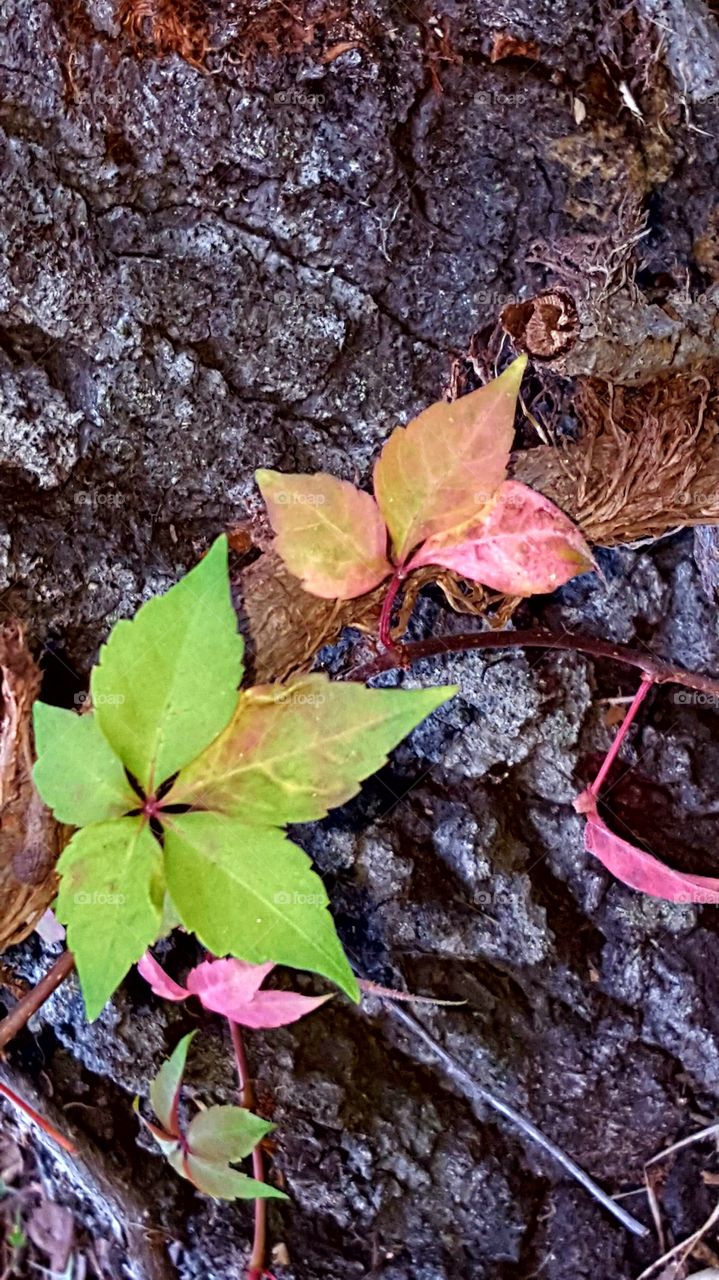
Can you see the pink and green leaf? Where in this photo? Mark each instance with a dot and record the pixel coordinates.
(330, 534)
(521, 544)
(437, 473)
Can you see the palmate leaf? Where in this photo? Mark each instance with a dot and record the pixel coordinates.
(214, 1138)
(292, 752)
(438, 472)
(110, 898)
(167, 681)
(249, 892)
(329, 533)
(77, 773)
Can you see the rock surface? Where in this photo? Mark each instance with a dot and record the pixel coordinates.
(271, 264)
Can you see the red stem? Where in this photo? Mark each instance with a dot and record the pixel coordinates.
(404, 655)
(613, 752)
(34, 999)
(256, 1265)
(385, 617)
(38, 1119)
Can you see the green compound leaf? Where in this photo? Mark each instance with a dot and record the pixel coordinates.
(111, 894)
(227, 1184)
(292, 752)
(249, 892)
(167, 681)
(165, 1088)
(226, 1133)
(77, 773)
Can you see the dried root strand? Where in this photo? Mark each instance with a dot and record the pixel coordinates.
(647, 462)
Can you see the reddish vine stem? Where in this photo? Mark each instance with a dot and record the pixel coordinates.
(256, 1265)
(40, 1121)
(385, 617)
(25, 1008)
(613, 752)
(405, 655)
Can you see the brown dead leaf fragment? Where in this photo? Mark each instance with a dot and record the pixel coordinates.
(29, 837)
(647, 462)
(288, 625)
(546, 326)
(506, 45)
(52, 1230)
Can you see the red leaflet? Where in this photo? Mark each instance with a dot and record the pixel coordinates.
(232, 988)
(638, 869)
(520, 544)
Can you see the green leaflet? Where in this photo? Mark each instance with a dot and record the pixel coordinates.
(292, 752)
(225, 1183)
(165, 1088)
(167, 681)
(251, 893)
(226, 1133)
(111, 893)
(77, 773)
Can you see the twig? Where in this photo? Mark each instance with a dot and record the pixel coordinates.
(476, 1092)
(12, 1096)
(712, 1130)
(256, 1264)
(34, 999)
(405, 655)
(684, 1248)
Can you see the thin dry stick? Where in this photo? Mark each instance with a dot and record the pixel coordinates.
(34, 999)
(405, 655)
(476, 1092)
(256, 1265)
(684, 1248)
(712, 1130)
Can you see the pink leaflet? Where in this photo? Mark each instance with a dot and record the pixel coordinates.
(521, 544)
(232, 988)
(223, 983)
(637, 869)
(269, 1008)
(162, 984)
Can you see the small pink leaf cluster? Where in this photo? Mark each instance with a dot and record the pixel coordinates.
(441, 498)
(232, 988)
